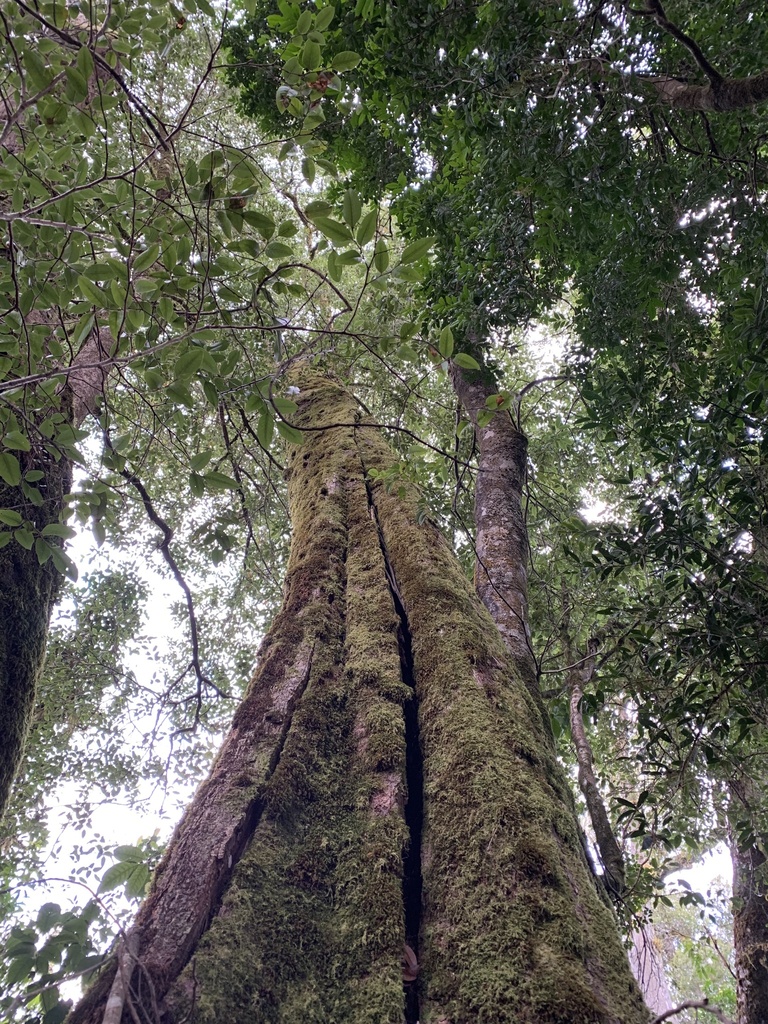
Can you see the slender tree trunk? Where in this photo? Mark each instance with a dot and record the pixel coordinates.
(647, 962)
(750, 909)
(406, 813)
(501, 533)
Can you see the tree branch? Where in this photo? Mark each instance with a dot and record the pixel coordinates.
(693, 1004)
(720, 94)
(657, 12)
(164, 547)
(144, 113)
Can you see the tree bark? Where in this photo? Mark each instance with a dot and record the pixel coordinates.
(750, 909)
(725, 95)
(607, 845)
(501, 533)
(412, 796)
(28, 591)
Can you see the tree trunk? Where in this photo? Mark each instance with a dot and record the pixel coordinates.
(28, 590)
(400, 789)
(27, 594)
(750, 909)
(647, 962)
(501, 533)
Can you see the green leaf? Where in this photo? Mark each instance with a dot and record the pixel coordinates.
(200, 461)
(85, 62)
(367, 228)
(466, 361)
(304, 24)
(346, 60)
(308, 169)
(116, 875)
(145, 259)
(278, 250)
(137, 882)
(83, 328)
(10, 470)
(92, 292)
(220, 482)
(10, 517)
(263, 223)
(381, 256)
(77, 85)
(265, 430)
(43, 551)
(58, 530)
(417, 250)
(284, 405)
(445, 343)
(310, 55)
(324, 18)
(21, 967)
(64, 564)
(335, 271)
(338, 233)
(25, 537)
(351, 208)
(317, 208)
(189, 362)
(15, 439)
(290, 434)
(127, 852)
(48, 915)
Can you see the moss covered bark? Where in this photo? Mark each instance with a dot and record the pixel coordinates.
(27, 593)
(312, 925)
(750, 905)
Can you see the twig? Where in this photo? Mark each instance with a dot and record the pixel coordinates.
(126, 963)
(164, 547)
(146, 115)
(693, 1004)
(659, 15)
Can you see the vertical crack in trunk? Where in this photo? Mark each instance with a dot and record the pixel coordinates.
(414, 807)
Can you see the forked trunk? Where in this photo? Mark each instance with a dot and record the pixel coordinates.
(388, 804)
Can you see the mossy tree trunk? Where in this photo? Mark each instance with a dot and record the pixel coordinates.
(388, 782)
(28, 589)
(750, 902)
(27, 594)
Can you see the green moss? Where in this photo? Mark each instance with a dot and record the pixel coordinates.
(311, 928)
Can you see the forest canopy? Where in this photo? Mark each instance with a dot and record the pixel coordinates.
(530, 238)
